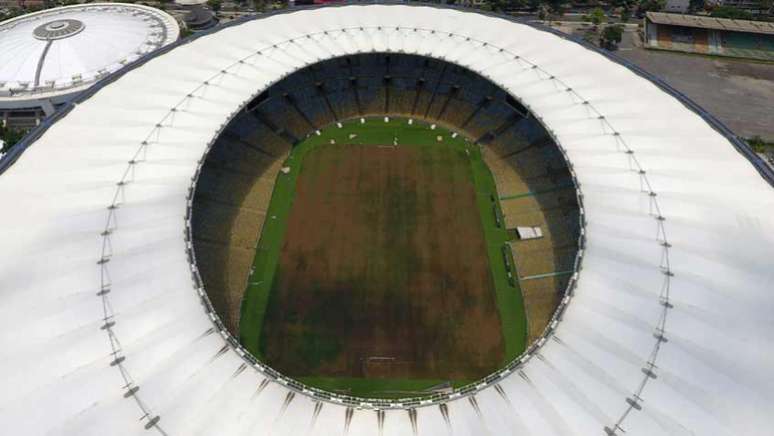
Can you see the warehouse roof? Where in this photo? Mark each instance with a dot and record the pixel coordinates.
(702, 22)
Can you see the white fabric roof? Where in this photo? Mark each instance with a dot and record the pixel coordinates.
(713, 376)
(115, 34)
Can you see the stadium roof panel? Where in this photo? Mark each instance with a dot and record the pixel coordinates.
(669, 330)
(65, 49)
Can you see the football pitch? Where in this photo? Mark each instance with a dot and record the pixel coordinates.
(380, 271)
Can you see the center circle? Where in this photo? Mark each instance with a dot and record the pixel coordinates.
(385, 226)
(56, 25)
(58, 29)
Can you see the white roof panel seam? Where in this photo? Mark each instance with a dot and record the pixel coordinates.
(630, 163)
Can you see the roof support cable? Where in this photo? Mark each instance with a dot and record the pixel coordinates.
(643, 182)
(353, 86)
(453, 92)
(418, 87)
(152, 420)
(441, 77)
(322, 92)
(649, 370)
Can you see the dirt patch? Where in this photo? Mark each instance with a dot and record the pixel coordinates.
(383, 270)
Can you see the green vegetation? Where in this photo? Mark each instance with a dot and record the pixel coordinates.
(626, 15)
(509, 300)
(215, 5)
(611, 36)
(596, 17)
(10, 137)
(265, 266)
(650, 6)
(14, 11)
(759, 145)
(731, 12)
(256, 296)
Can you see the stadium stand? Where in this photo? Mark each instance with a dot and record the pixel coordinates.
(533, 183)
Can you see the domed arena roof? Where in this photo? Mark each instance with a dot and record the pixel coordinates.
(66, 49)
(667, 328)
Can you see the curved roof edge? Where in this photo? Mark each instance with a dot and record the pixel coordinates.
(741, 146)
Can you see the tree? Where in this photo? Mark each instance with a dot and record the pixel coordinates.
(731, 12)
(597, 16)
(758, 144)
(7, 14)
(626, 14)
(214, 4)
(590, 36)
(259, 5)
(650, 6)
(498, 5)
(543, 12)
(556, 6)
(611, 36)
(9, 137)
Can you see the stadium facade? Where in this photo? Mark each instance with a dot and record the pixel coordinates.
(51, 55)
(666, 327)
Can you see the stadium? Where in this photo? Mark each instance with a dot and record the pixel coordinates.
(51, 55)
(621, 277)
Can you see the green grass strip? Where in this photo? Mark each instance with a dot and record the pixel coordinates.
(256, 297)
(508, 293)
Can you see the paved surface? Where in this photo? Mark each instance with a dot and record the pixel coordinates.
(738, 92)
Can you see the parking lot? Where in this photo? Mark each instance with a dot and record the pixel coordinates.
(740, 93)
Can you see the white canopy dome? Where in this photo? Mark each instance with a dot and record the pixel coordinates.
(64, 49)
(669, 330)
